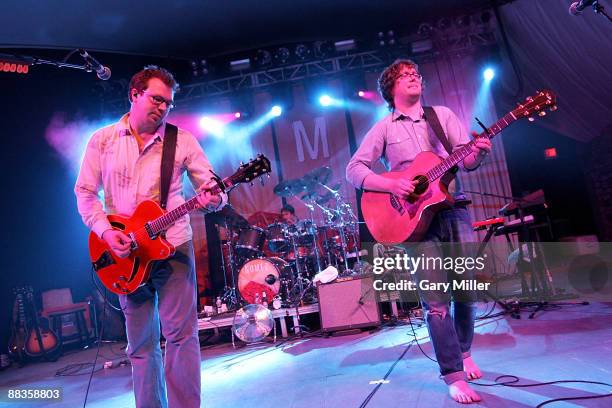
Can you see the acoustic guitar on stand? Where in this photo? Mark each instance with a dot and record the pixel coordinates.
(392, 219)
(146, 226)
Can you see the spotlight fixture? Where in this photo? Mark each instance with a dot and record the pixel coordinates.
(485, 17)
(322, 49)
(325, 100)
(462, 21)
(276, 111)
(282, 55)
(345, 45)
(240, 65)
(488, 74)
(425, 29)
(444, 23)
(302, 52)
(361, 94)
(263, 58)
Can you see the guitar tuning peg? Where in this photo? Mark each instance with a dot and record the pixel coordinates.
(252, 184)
(241, 163)
(542, 113)
(531, 119)
(530, 99)
(269, 175)
(553, 108)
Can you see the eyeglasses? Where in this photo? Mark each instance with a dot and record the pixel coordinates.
(158, 100)
(410, 74)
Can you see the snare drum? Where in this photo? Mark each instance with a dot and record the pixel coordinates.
(262, 275)
(250, 240)
(277, 237)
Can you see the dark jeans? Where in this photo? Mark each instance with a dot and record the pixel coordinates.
(451, 329)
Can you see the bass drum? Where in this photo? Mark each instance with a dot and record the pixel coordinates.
(262, 275)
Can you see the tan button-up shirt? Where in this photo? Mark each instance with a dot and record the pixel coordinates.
(116, 173)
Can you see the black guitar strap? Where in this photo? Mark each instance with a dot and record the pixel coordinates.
(167, 163)
(436, 127)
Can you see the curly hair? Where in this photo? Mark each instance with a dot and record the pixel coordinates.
(387, 79)
(140, 80)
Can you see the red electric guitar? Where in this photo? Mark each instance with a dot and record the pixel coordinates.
(392, 219)
(146, 226)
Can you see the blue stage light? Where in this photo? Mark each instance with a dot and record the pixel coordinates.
(325, 100)
(276, 110)
(488, 74)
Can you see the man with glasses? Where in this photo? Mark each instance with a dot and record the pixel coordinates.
(396, 140)
(124, 160)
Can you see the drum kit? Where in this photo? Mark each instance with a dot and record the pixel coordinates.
(275, 265)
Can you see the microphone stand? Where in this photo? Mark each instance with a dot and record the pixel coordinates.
(599, 9)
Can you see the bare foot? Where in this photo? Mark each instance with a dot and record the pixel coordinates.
(461, 392)
(471, 369)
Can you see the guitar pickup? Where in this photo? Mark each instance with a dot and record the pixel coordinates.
(103, 261)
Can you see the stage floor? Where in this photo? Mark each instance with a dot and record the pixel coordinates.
(569, 343)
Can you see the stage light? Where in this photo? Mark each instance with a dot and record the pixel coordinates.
(302, 52)
(263, 58)
(212, 126)
(361, 94)
(345, 45)
(488, 74)
(325, 100)
(237, 115)
(240, 65)
(322, 49)
(276, 111)
(282, 55)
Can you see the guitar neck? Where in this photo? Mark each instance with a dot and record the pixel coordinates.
(458, 155)
(164, 222)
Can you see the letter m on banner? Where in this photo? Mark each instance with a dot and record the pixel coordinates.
(302, 139)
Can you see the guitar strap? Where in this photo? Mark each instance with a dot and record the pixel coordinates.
(436, 127)
(167, 163)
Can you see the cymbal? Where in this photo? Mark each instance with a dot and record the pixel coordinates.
(289, 188)
(317, 176)
(310, 196)
(229, 215)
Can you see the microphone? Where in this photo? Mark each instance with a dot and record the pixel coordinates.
(103, 72)
(577, 6)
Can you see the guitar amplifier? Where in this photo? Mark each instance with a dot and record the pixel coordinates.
(349, 303)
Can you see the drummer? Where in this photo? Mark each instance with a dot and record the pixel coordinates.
(287, 215)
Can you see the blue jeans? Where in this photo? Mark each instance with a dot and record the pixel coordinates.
(451, 329)
(169, 298)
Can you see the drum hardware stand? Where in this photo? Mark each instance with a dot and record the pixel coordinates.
(229, 296)
(313, 225)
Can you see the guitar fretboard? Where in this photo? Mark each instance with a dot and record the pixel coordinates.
(458, 155)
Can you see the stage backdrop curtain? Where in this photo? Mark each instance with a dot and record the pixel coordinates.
(570, 55)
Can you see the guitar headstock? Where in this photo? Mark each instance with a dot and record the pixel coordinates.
(536, 104)
(248, 172)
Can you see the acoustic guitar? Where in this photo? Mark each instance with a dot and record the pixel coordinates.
(392, 219)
